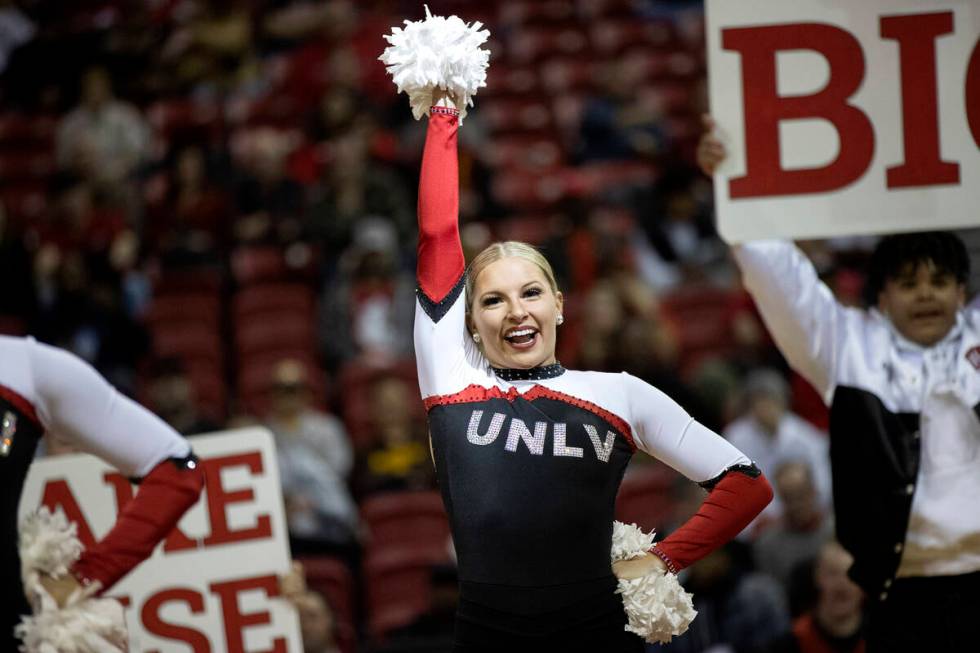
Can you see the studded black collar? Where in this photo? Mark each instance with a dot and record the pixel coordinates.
(530, 374)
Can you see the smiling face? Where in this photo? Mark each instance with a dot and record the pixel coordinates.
(514, 310)
(922, 302)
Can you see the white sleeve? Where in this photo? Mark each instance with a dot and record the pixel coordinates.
(444, 354)
(77, 404)
(800, 311)
(667, 432)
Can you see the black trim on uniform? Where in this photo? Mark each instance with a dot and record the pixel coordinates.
(436, 310)
(749, 470)
(190, 461)
(530, 374)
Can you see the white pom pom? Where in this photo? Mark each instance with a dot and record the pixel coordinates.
(437, 52)
(629, 541)
(656, 605)
(49, 545)
(88, 626)
(48, 542)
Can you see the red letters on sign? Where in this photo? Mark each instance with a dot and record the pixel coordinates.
(57, 493)
(218, 500)
(916, 35)
(150, 616)
(973, 94)
(236, 621)
(764, 108)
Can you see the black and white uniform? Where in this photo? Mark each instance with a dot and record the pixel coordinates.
(529, 461)
(46, 389)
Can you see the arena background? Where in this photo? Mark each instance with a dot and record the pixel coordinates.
(232, 242)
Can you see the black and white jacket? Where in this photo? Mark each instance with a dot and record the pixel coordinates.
(905, 421)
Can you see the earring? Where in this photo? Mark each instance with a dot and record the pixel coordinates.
(560, 320)
(476, 337)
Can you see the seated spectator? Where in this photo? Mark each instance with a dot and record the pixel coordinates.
(103, 139)
(618, 122)
(365, 312)
(770, 435)
(836, 623)
(399, 458)
(678, 222)
(314, 461)
(171, 397)
(355, 185)
(190, 223)
(269, 203)
(803, 528)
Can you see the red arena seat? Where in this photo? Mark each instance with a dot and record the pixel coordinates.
(406, 520)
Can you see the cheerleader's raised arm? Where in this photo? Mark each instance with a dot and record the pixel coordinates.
(442, 350)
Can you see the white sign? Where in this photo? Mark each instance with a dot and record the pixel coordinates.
(844, 117)
(211, 585)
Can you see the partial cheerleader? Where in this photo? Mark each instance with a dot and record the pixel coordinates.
(44, 389)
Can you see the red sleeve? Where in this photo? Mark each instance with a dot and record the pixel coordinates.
(732, 503)
(165, 494)
(440, 255)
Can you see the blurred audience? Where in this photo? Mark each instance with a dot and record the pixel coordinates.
(398, 458)
(835, 623)
(370, 304)
(315, 459)
(190, 223)
(104, 140)
(268, 202)
(771, 435)
(738, 609)
(624, 119)
(802, 529)
(171, 396)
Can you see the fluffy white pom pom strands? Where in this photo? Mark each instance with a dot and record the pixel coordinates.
(49, 544)
(437, 53)
(657, 606)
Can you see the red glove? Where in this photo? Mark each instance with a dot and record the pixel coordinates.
(734, 501)
(165, 494)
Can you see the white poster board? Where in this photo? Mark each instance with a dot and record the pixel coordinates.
(845, 117)
(211, 585)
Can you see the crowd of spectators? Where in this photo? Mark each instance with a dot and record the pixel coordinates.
(212, 201)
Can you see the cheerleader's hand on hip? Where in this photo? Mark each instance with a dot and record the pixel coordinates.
(639, 567)
(60, 589)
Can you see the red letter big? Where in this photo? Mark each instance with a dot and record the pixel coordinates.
(916, 35)
(764, 108)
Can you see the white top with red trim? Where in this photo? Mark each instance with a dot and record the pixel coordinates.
(449, 363)
(73, 402)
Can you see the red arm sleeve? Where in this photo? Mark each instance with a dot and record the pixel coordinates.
(440, 254)
(165, 494)
(733, 502)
